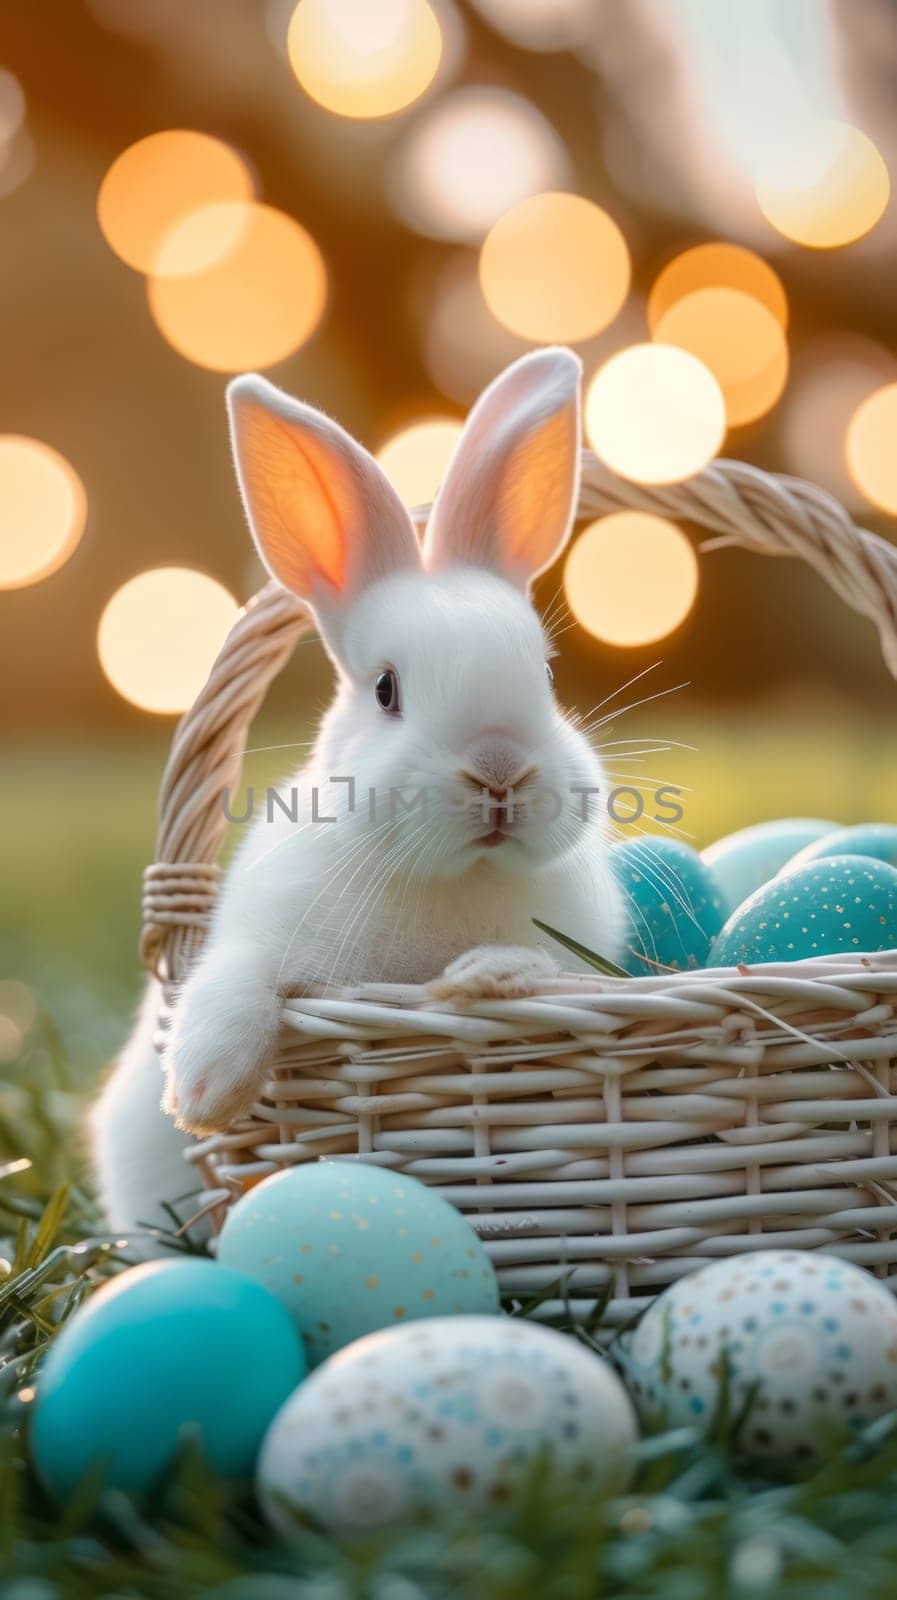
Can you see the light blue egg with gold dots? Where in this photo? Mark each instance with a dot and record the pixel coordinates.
(350, 1248)
(837, 905)
(744, 861)
(809, 1343)
(673, 904)
(876, 839)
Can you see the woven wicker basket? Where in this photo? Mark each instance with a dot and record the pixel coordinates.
(604, 1130)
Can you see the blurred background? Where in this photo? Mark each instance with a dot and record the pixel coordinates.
(380, 203)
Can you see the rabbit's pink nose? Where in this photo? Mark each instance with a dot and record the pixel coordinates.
(498, 764)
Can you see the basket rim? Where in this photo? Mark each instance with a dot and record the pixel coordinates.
(859, 970)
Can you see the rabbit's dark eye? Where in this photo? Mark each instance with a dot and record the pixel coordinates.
(549, 674)
(386, 689)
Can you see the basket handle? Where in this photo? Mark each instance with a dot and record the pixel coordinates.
(773, 515)
(205, 763)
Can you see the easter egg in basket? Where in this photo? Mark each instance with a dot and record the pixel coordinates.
(836, 905)
(349, 1247)
(673, 904)
(449, 1414)
(742, 862)
(876, 839)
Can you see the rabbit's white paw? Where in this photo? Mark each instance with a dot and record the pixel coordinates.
(493, 972)
(216, 1057)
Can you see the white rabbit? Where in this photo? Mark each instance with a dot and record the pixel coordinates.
(443, 688)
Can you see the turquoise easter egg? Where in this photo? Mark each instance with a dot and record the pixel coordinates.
(840, 904)
(878, 839)
(673, 904)
(166, 1351)
(349, 1248)
(744, 861)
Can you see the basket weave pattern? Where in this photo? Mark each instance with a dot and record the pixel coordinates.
(623, 1130)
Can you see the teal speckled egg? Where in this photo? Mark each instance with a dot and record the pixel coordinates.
(840, 904)
(674, 907)
(166, 1350)
(877, 839)
(745, 860)
(349, 1248)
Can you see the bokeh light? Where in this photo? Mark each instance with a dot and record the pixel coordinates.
(415, 459)
(43, 510)
(834, 205)
(831, 376)
(717, 266)
(474, 154)
(202, 239)
(253, 307)
(555, 268)
(364, 59)
(872, 448)
(655, 414)
(156, 183)
(738, 339)
(160, 633)
(631, 578)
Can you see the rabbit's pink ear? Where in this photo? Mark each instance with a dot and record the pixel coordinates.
(326, 520)
(509, 494)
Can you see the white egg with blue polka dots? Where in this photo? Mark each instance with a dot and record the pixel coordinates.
(457, 1412)
(810, 1344)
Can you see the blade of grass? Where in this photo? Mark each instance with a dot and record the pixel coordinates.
(49, 1226)
(590, 957)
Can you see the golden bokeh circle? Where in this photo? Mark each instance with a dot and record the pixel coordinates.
(836, 206)
(655, 414)
(43, 510)
(738, 339)
(157, 182)
(872, 448)
(555, 268)
(717, 266)
(364, 58)
(631, 578)
(159, 635)
(256, 305)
